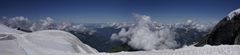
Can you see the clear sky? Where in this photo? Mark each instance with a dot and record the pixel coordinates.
(100, 11)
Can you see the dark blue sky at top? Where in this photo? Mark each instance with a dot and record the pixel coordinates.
(101, 11)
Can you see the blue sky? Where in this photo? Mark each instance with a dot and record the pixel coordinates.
(100, 11)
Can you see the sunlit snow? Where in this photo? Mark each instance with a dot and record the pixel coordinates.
(233, 13)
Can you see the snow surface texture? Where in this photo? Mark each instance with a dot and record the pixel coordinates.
(5, 29)
(45, 42)
(233, 13)
(190, 50)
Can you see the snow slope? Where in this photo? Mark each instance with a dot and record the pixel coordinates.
(206, 50)
(55, 40)
(233, 13)
(47, 42)
(5, 29)
(9, 45)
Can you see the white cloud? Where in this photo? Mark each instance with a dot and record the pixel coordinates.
(141, 36)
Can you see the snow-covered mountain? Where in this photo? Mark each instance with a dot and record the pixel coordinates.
(159, 39)
(47, 42)
(144, 34)
(233, 13)
(99, 35)
(53, 42)
(225, 32)
(5, 29)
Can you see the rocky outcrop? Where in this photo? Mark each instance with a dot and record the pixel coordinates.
(227, 31)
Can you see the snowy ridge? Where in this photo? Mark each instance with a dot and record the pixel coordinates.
(233, 13)
(5, 29)
(47, 42)
(58, 40)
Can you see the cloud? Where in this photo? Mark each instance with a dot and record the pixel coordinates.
(144, 36)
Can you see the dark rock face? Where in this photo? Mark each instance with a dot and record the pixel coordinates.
(225, 32)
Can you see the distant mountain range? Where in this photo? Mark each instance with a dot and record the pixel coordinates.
(98, 36)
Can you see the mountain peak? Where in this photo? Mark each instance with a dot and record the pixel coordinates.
(225, 32)
(233, 13)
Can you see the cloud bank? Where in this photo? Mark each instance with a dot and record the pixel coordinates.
(145, 36)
